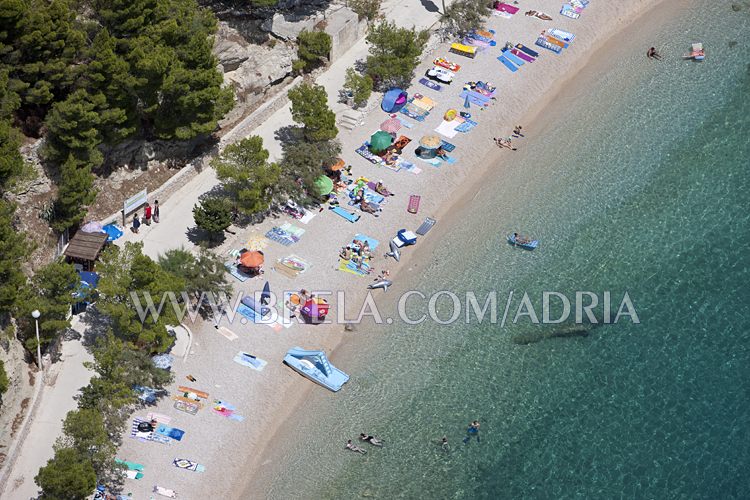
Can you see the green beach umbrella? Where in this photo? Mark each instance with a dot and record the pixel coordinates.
(379, 141)
(323, 185)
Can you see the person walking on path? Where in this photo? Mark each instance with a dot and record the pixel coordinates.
(472, 430)
(136, 223)
(156, 211)
(147, 214)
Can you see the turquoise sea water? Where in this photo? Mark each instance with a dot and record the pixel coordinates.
(643, 187)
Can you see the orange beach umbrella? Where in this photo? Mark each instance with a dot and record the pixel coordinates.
(252, 259)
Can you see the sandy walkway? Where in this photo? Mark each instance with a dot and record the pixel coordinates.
(232, 451)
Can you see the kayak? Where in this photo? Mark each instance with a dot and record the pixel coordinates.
(530, 245)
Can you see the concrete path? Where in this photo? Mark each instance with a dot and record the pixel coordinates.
(64, 380)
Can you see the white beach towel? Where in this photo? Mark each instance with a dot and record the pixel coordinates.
(448, 129)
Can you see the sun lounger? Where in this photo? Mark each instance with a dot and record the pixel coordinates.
(430, 84)
(426, 226)
(351, 217)
(524, 48)
(506, 62)
(413, 207)
(513, 58)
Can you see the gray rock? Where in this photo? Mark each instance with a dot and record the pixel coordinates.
(230, 48)
(289, 27)
(264, 66)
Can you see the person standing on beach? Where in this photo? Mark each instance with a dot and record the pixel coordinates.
(517, 131)
(156, 211)
(472, 430)
(147, 214)
(136, 223)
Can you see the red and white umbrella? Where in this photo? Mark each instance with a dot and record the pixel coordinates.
(391, 125)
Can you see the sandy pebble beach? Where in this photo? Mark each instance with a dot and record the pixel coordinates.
(234, 453)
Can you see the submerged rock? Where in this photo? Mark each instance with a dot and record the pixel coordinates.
(564, 331)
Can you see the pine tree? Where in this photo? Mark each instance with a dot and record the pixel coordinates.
(75, 193)
(247, 176)
(14, 248)
(67, 476)
(310, 108)
(394, 54)
(313, 47)
(74, 128)
(11, 161)
(213, 215)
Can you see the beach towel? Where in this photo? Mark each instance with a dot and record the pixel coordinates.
(307, 216)
(447, 146)
(226, 332)
(130, 465)
(140, 435)
(499, 13)
(186, 407)
(162, 419)
(406, 123)
(523, 55)
(183, 463)
(294, 263)
(513, 58)
(565, 36)
(430, 84)
(413, 207)
(249, 313)
(569, 11)
(426, 226)
(475, 98)
(448, 128)
(466, 126)
(409, 166)
(287, 234)
(165, 492)
(189, 392)
(524, 48)
(249, 360)
(506, 62)
(504, 7)
(170, 432)
(556, 41)
(132, 474)
(370, 195)
(414, 112)
(542, 42)
(350, 216)
(226, 410)
(239, 275)
(351, 267)
(424, 103)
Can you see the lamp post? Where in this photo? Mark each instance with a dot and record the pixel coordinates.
(35, 314)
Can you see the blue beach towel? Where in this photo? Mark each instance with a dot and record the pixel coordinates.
(232, 269)
(513, 58)
(476, 98)
(447, 146)
(524, 48)
(507, 63)
(351, 217)
(430, 84)
(406, 123)
(249, 313)
(170, 432)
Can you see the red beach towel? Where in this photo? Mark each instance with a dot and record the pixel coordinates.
(413, 204)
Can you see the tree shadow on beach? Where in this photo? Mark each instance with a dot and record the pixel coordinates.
(429, 6)
(288, 134)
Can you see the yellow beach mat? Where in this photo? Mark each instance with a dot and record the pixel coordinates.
(425, 103)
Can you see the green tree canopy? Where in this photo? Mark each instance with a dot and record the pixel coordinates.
(84, 430)
(310, 109)
(75, 193)
(203, 274)
(51, 293)
(394, 54)
(464, 15)
(359, 85)
(14, 248)
(11, 161)
(213, 215)
(126, 275)
(313, 47)
(366, 9)
(67, 476)
(303, 163)
(246, 175)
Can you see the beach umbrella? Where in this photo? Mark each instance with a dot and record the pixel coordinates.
(339, 165)
(467, 104)
(379, 141)
(93, 227)
(430, 142)
(323, 185)
(265, 297)
(315, 308)
(252, 259)
(391, 125)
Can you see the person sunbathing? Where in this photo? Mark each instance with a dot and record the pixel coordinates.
(366, 207)
(370, 439)
(346, 253)
(353, 447)
(381, 189)
(539, 15)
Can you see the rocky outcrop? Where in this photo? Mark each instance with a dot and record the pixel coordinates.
(289, 26)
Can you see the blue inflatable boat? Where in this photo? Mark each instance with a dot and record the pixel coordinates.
(315, 366)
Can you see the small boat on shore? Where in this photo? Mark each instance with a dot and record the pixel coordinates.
(523, 242)
(315, 366)
(696, 52)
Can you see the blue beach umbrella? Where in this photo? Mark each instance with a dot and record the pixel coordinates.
(467, 104)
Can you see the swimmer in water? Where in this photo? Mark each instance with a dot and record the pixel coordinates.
(472, 430)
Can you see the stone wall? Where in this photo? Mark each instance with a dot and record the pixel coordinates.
(345, 29)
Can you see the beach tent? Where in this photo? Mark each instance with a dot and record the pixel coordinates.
(393, 100)
(113, 232)
(323, 185)
(391, 125)
(379, 141)
(93, 227)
